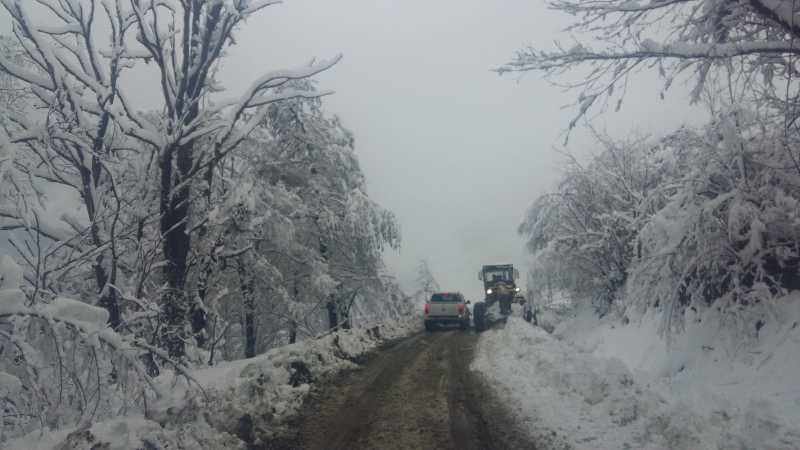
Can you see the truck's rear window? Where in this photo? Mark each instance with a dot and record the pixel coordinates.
(443, 298)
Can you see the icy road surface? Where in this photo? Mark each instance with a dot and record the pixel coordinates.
(418, 394)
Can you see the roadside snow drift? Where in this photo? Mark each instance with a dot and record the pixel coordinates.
(245, 402)
(570, 398)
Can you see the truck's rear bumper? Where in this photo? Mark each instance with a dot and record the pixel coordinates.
(445, 319)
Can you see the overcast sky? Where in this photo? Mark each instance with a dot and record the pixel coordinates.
(454, 150)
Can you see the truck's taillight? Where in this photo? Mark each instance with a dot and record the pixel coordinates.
(461, 308)
(426, 308)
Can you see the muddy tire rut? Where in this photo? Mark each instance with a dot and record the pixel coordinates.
(416, 394)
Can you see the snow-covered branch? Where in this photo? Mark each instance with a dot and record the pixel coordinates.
(692, 38)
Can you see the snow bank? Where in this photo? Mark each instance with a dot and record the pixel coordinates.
(245, 402)
(10, 273)
(11, 301)
(114, 434)
(583, 396)
(77, 311)
(550, 315)
(741, 364)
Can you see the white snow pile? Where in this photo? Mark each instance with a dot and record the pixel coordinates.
(597, 385)
(245, 402)
(10, 273)
(555, 311)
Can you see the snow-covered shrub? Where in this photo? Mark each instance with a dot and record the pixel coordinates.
(719, 220)
(729, 231)
(582, 234)
(61, 365)
(698, 217)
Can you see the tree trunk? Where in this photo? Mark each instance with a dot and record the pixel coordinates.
(345, 317)
(292, 331)
(344, 311)
(199, 319)
(110, 301)
(246, 285)
(199, 313)
(333, 317)
(176, 242)
(108, 295)
(249, 331)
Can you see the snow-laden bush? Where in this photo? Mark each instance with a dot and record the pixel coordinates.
(716, 214)
(698, 217)
(582, 235)
(729, 231)
(61, 365)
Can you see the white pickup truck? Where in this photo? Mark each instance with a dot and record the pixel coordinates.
(446, 308)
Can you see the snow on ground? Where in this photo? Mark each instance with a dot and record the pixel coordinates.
(602, 385)
(244, 401)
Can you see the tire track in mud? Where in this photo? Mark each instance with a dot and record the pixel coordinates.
(416, 394)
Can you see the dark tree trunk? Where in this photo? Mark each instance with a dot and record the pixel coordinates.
(344, 311)
(246, 286)
(108, 295)
(199, 318)
(249, 330)
(199, 313)
(90, 180)
(292, 331)
(176, 242)
(110, 301)
(345, 314)
(333, 316)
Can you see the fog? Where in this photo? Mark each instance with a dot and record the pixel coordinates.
(454, 150)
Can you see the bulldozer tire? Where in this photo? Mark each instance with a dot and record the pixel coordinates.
(479, 316)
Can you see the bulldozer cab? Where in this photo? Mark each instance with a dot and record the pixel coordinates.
(495, 274)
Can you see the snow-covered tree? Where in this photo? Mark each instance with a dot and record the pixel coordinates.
(340, 223)
(79, 54)
(713, 221)
(426, 282)
(72, 140)
(291, 204)
(258, 219)
(727, 230)
(582, 234)
(699, 218)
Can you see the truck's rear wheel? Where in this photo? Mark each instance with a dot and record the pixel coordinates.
(479, 316)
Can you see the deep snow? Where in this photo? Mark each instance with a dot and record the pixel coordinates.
(244, 401)
(599, 384)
